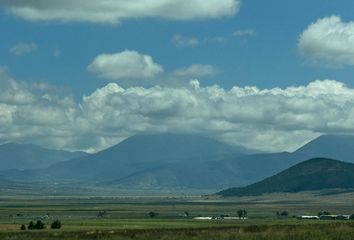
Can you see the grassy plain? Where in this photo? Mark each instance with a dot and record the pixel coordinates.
(127, 217)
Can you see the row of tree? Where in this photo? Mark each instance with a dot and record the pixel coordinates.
(41, 225)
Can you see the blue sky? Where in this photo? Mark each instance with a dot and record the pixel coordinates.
(228, 43)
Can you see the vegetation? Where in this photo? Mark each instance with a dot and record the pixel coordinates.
(55, 225)
(153, 214)
(338, 231)
(282, 214)
(242, 213)
(323, 213)
(128, 218)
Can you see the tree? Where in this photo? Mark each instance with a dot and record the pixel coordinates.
(31, 225)
(242, 213)
(39, 225)
(352, 217)
(282, 214)
(152, 214)
(323, 213)
(101, 213)
(23, 227)
(55, 225)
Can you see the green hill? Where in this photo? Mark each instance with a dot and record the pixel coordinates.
(313, 174)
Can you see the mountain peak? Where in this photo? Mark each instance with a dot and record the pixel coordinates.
(329, 146)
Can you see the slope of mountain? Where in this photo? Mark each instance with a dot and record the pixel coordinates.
(256, 167)
(142, 154)
(329, 146)
(182, 161)
(28, 156)
(313, 174)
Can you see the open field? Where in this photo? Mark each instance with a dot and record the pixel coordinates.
(127, 217)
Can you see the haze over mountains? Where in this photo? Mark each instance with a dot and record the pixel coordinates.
(29, 156)
(154, 159)
(177, 161)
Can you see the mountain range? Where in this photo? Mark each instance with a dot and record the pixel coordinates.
(177, 161)
(29, 156)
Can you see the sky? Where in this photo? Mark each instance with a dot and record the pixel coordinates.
(84, 74)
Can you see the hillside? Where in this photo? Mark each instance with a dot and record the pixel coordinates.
(256, 167)
(181, 161)
(329, 146)
(145, 154)
(29, 156)
(313, 174)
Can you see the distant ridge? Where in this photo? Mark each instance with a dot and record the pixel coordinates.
(29, 156)
(339, 147)
(178, 161)
(156, 160)
(313, 174)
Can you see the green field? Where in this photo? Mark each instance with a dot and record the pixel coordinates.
(127, 217)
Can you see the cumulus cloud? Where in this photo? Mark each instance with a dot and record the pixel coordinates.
(125, 65)
(329, 40)
(23, 48)
(267, 119)
(196, 71)
(108, 11)
(185, 41)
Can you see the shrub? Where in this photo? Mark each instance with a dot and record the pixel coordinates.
(323, 213)
(241, 213)
(23, 227)
(55, 225)
(39, 225)
(31, 225)
(152, 214)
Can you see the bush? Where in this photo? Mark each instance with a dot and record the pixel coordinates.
(323, 213)
(31, 225)
(23, 227)
(55, 225)
(152, 214)
(242, 213)
(39, 225)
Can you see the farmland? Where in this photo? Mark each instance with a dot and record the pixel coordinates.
(128, 218)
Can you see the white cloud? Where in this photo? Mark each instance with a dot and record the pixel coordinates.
(23, 48)
(329, 40)
(245, 33)
(184, 41)
(108, 11)
(125, 65)
(196, 71)
(268, 119)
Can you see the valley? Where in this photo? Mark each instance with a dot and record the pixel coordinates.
(128, 217)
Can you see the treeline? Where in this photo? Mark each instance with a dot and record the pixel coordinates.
(41, 225)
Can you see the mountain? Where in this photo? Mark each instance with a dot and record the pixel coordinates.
(182, 161)
(171, 155)
(329, 146)
(313, 174)
(255, 167)
(28, 156)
